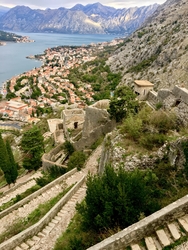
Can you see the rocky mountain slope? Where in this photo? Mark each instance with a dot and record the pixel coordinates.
(89, 19)
(158, 51)
(3, 10)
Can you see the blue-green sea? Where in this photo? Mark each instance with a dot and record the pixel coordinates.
(13, 59)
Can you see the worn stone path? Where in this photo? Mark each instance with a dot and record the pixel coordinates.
(165, 236)
(46, 239)
(24, 211)
(21, 186)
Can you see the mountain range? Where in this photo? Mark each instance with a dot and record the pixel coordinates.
(157, 51)
(90, 19)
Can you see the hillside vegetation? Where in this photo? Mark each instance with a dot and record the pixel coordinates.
(9, 37)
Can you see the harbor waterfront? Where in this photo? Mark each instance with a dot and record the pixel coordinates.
(13, 59)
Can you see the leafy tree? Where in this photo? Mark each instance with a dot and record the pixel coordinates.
(32, 145)
(118, 198)
(123, 103)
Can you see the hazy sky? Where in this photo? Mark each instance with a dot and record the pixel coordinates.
(54, 4)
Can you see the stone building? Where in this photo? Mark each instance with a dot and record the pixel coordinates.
(142, 88)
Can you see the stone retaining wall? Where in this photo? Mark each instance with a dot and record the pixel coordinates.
(36, 228)
(145, 227)
(46, 158)
(37, 193)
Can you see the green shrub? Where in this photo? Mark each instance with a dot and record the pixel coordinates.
(163, 121)
(77, 159)
(43, 181)
(150, 141)
(68, 147)
(55, 171)
(132, 126)
(112, 198)
(159, 105)
(185, 150)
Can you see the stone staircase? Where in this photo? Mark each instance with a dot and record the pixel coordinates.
(23, 209)
(164, 236)
(46, 238)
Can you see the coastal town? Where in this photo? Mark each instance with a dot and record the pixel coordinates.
(48, 86)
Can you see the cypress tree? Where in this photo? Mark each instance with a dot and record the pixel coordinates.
(4, 161)
(3, 155)
(12, 166)
(7, 163)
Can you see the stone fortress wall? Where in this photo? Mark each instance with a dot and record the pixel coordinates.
(51, 159)
(97, 123)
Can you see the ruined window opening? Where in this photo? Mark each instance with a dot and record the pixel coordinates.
(178, 101)
(75, 125)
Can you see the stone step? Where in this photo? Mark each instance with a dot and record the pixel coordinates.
(24, 246)
(35, 238)
(51, 224)
(48, 228)
(46, 231)
(54, 221)
(150, 243)
(183, 223)
(173, 228)
(135, 247)
(18, 248)
(156, 242)
(60, 213)
(40, 235)
(57, 218)
(163, 238)
(30, 242)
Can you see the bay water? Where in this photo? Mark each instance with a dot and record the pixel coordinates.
(13, 59)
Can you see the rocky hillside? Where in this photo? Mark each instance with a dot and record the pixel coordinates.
(89, 19)
(158, 51)
(3, 10)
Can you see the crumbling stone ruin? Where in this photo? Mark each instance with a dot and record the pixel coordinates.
(175, 100)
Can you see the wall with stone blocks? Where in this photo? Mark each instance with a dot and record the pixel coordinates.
(35, 229)
(145, 227)
(181, 93)
(37, 193)
(46, 158)
(99, 131)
